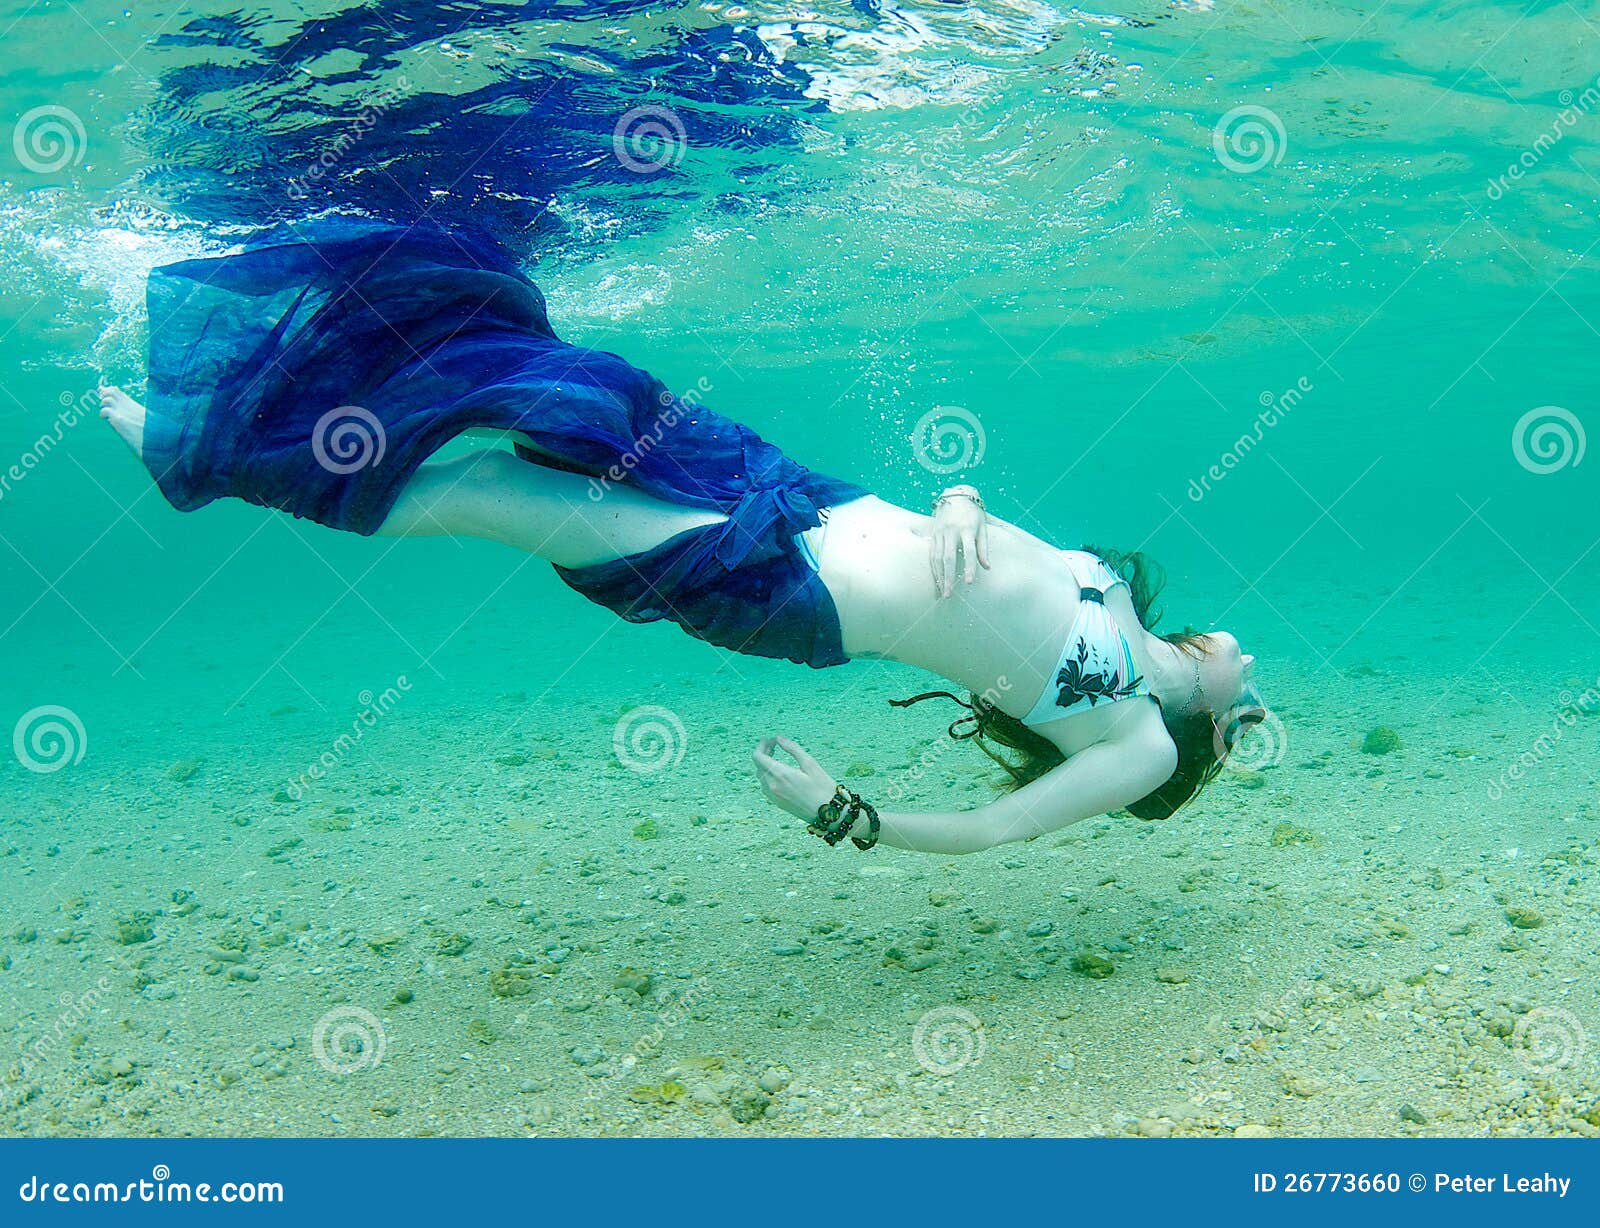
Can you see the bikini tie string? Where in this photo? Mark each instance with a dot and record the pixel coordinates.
(973, 721)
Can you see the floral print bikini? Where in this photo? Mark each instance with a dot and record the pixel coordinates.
(1096, 664)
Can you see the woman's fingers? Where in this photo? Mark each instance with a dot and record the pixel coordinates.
(775, 770)
(969, 555)
(770, 776)
(769, 769)
(949, 567)
(936, 561)
(983, 543)
(806, 762)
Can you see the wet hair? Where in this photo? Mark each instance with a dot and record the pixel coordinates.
(1025, 755)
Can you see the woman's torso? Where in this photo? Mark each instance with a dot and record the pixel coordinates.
(1000, 637)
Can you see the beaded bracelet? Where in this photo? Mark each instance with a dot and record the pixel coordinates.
(873, 825)
(837, 815)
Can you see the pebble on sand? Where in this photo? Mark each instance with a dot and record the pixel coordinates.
(1524, 918)
(184, 770)
(1380, 740)
(1304, 1086)
(1095, 967)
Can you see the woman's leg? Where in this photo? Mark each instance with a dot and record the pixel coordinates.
(495, 495)
(492, 494)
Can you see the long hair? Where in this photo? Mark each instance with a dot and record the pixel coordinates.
(1025, 755)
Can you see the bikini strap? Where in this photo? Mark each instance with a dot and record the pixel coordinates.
(973, 721)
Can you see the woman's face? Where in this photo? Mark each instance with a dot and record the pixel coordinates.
(1235, 702)
(1228, 669)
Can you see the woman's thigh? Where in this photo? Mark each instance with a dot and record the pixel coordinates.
(566, 518)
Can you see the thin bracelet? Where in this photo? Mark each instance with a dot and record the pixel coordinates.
(960, 493)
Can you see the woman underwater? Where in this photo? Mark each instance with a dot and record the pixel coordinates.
(318, 371)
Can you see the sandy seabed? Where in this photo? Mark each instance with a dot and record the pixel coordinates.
(481, 920)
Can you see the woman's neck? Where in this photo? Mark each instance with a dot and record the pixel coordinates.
(1172, 675)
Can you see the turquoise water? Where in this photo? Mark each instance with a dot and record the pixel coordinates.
(1056, 232)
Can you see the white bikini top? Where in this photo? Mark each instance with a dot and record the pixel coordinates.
(1096, 664)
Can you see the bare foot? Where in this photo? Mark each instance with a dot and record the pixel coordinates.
(125, 414)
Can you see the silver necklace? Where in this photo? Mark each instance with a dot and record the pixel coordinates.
(1194, 694)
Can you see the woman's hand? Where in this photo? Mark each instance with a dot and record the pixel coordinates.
(959, 542)
(801, 787)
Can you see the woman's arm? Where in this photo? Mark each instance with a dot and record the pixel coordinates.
(1096, 780)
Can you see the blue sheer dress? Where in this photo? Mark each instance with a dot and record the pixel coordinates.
(314, 371)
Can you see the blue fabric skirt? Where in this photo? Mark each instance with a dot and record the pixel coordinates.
(313, 372)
